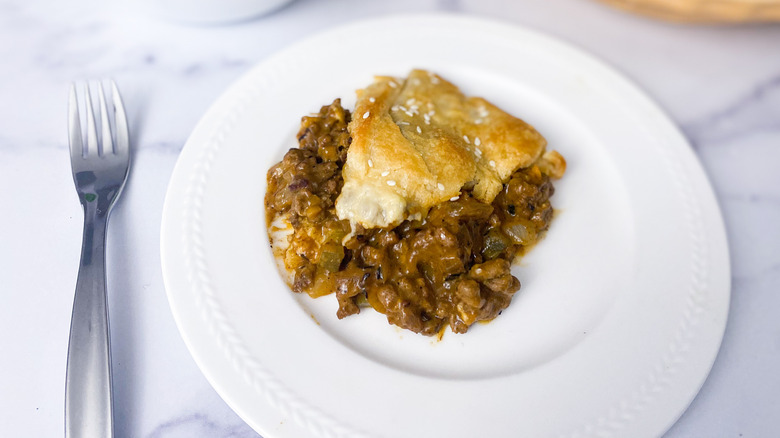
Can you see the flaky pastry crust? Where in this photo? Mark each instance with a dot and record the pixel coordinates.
(416, 142)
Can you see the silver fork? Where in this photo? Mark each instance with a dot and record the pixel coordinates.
(100, 169)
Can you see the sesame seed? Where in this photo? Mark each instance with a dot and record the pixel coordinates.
(419, 131)
(454, 198)
(415, 81)
(370, 163)
(409, 113)
(393, 84)
(365, 115)
(385, 173)
(478, 121)
(478, 151)
(390, 182)
(477, 141)
(466, 139)
(440, 186)
(394, 108)
(403, 123)
(427, 121)
(434, 80)
(371, 99)
(492, 163)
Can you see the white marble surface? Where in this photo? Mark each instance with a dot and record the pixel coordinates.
(720, 84)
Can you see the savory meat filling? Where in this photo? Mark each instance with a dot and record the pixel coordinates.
(451, 267)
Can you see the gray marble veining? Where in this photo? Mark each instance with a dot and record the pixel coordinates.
(755, 113)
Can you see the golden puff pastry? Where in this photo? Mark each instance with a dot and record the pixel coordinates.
(416, 142)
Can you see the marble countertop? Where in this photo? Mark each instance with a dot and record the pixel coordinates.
(721, 85)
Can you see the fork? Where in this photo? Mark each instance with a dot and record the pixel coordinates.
(100, 169)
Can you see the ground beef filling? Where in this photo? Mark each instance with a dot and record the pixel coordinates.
(450, 268)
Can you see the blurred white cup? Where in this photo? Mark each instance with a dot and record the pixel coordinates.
(211, 11)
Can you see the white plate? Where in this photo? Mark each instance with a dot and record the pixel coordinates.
(622, 308)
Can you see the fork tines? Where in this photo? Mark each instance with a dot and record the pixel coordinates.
(117, 146)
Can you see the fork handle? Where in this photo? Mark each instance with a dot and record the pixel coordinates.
(88, 396)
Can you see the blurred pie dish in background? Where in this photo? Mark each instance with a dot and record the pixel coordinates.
(704, 11)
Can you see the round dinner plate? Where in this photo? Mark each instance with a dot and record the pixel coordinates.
(623, 304)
